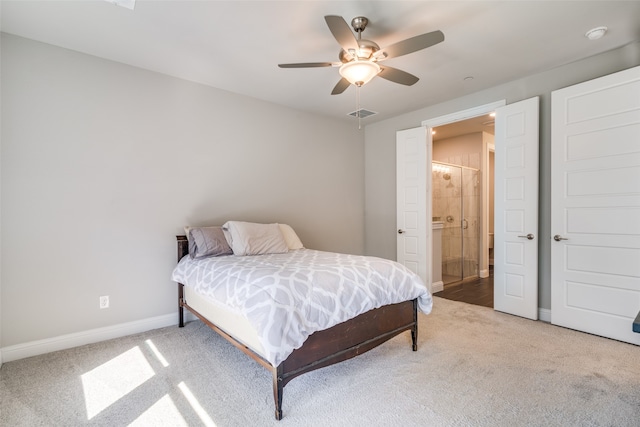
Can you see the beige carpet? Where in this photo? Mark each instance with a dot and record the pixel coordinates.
(474, 367)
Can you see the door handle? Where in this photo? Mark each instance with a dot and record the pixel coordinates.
(400, 231)
(528, 236)
(558, 237)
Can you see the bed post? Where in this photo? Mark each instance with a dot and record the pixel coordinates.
(183, 249)
(277, 389)
(414, 328)
(180, 307)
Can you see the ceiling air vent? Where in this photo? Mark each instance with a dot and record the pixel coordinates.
(129, 4)
(362, 113)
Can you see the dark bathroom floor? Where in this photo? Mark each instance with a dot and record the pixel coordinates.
(473, 291)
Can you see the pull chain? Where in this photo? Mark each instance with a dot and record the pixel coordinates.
(358, 107)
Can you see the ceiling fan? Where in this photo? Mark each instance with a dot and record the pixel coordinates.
(359, 58)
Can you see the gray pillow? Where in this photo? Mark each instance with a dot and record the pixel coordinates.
(207, 241)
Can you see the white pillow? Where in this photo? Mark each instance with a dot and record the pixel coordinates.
(290, 236)
(250, 238)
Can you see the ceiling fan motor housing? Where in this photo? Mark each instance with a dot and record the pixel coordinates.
(366, 49)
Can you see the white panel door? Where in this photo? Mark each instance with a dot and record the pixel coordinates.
(595, 199)
(414, 200)
(516, 209)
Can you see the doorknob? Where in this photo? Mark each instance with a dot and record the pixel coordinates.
(528, 236)
(558, 237)
(400, 231)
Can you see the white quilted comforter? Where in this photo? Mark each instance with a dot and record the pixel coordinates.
(287, 297)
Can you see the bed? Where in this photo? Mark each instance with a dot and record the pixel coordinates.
(281, 339)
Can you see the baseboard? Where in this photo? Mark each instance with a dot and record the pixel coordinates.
(484, 274)
(437, 286)
(544, 315)
(63, 342)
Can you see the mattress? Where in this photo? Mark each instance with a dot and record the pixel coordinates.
(231, 322)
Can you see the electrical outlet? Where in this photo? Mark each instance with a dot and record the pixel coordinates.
(104, 301)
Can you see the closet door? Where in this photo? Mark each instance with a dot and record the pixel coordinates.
(595, 199)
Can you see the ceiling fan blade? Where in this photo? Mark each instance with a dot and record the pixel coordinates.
(342, 85)
(307, 65)
(341, 31)
(397, 76)
(411, 45)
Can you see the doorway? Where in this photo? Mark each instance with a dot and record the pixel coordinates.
(515, 203)
(462, 201)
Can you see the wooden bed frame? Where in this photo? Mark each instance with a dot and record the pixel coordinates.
(327, 347)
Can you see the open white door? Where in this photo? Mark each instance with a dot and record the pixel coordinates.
(414, 201)
(516, 209)
(595, 200)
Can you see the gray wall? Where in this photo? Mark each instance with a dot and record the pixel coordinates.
(103, 164)
(380, 167)
(1, 358)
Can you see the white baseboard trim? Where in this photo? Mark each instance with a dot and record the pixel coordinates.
(437, 286)
(484, 274)
(544, 315)
(63, 342)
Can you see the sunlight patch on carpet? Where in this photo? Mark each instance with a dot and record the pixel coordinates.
(111, 381)
(157, 353)
(202, 414)
(163, 412)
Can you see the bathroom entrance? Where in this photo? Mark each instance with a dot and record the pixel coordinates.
(456, 205)
(462, 180)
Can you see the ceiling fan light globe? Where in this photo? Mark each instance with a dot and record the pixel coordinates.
(359, 72)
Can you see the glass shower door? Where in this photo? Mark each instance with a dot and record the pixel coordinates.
(471, 220)
(456, 202)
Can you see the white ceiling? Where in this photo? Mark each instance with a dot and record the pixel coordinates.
(236, 45)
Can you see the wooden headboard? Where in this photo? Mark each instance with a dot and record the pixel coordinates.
(183, 249)
(183, 246)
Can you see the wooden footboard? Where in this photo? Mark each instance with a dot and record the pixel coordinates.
(346, 340)
(323, 348)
